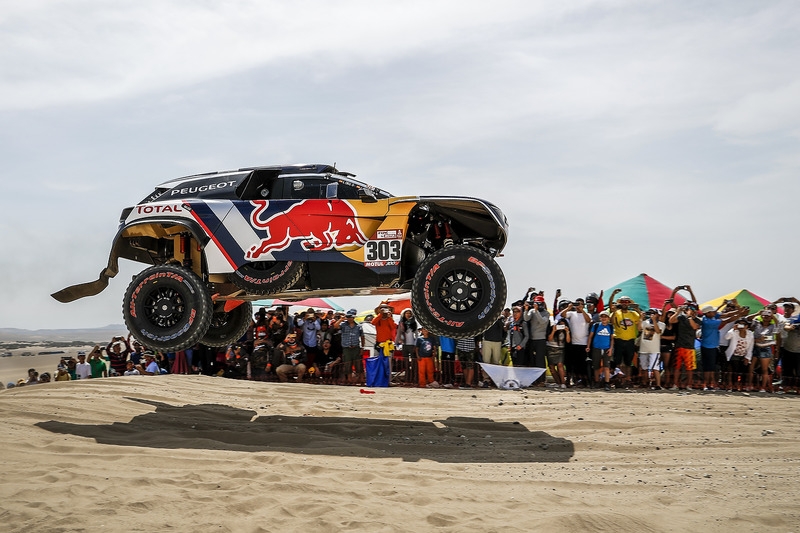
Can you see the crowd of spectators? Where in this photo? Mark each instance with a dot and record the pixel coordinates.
(584, 343)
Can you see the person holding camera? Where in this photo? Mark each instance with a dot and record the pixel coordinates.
(601, 348)
(385, 328)
(538, 319)
(557, 341)
(292, 357)
(517, 336)
(624, 319)
(687, 323)
(579, 320)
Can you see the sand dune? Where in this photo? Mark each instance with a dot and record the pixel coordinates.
(193, 453)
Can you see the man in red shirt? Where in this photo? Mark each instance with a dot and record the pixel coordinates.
(385, 327)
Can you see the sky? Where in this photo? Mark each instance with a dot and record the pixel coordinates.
(619, 137)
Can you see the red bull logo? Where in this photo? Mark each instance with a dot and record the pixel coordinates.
(318, 224)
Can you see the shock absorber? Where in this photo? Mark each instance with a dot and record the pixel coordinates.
(186, 247)
(448, 236)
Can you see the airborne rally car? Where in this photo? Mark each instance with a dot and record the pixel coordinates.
(218, 241)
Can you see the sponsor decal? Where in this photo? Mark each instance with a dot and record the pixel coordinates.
(202, 188)
(261, 281)
(150, 209)
(318, 225)
(371, 264)
(389, 234)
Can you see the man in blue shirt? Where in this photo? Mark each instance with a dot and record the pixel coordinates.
(601, 348)
(709, 341)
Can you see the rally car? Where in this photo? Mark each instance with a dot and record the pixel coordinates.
(218, 241)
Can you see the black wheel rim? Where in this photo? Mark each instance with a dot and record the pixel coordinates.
(164, 307)
(460, 291)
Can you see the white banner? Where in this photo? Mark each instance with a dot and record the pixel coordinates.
(510, 377)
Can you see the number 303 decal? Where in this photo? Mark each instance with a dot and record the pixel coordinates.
(383, 250)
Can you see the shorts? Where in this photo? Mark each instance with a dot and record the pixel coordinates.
(649, 361)
(685, 357)
(351, 353)
(710, 356)
(466, 356)
(555, 355)
(737, 365)
(624, 352)
(763, 352)
(600, 357)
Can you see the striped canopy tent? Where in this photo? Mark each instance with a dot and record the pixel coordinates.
(316, 303)
(399, 302)
(743, 297)
(645, 291)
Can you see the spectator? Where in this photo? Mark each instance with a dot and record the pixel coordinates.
(557, 340)
(650, 348)
(574, 354)
(117, 353)
(99, 368)
(448, 362)
(150, 367)
(712, 323)
(326, 358)
(385, 330)
(130, 369)
(293, 359)
(136, 352)
(370, 334)
(624, 320)
(425, 349)
(764, 331)
(467, 351)
(82, 369)
(686, 333)
(33, 377)
(538, 319)
(790, 355)
(407, 338)
(72, 364)
(602, 349)
(260, 358)
(492, 342)
(310, 327)
(353, 342)
(62, 374)
(740, 351)
(517, 336)
(44, 378)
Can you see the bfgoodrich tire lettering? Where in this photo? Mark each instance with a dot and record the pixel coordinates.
(267, 277)
(458, 292)
(167, 308)
(229, 327)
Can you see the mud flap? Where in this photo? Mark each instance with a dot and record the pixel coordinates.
(91, 288)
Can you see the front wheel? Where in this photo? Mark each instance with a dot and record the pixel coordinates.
(458, 292)
(167, 308)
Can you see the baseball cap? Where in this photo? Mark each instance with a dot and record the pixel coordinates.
(592, 298)
(538, 299)
(604, 313)
(351, 313)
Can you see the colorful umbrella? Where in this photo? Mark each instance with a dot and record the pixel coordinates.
(645, 291)
(316, 303)
(743, 297)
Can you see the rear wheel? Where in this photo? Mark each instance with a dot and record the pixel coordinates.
(167, 308)
(227, 328)
(458, 292)
(267, 277)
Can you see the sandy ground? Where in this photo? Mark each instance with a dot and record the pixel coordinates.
(194, 453)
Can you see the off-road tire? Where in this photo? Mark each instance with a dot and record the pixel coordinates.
(267, 277)
(458, 292)
(167, 308)
(227, 328)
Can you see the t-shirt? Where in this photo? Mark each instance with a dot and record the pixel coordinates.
(495, 332)
(624, 323)
(578, 327)
(602, 336)
(685, 335)
(425, 345)
(448, 345)
(651, 341)
(154, 368)
(560, 338)
(83, 370)
(98, 366)
(710, 332)
(133, 372)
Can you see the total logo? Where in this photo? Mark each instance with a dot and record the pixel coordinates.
(155, 209)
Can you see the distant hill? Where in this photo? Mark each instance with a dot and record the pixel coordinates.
(94, 335)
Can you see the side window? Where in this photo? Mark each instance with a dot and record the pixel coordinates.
(308, 188)
(347, 192)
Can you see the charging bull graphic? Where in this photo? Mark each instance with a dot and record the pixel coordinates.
(308, 222)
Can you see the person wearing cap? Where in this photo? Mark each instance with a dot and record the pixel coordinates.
(293, 359)
(83, 370)
(150, 367)
(117, 354)
(765, 328)
(624, 319)
(517, 336)
(385, 329)
(651, 327)
(712, 323)
(687, 323)
(579, 321)
(738, 354)
(353, 342)
(601, 348)
(310, 328)
(538, 318)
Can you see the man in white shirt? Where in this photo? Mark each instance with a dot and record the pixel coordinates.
(575, 355)
(83, 370)
(650, 348)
